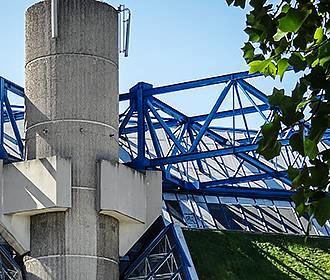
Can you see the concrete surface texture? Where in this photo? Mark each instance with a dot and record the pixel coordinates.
(72, 111)
(28, 188)
(36, 185)
(14, 229)
(132, 197)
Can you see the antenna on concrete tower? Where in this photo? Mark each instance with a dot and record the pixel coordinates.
(54, 17)
(124, 25)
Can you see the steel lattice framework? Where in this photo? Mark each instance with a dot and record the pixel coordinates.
(12, 111)
(213, 152)
(210, 153)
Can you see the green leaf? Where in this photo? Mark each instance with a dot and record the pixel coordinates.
(270, 70)
(282, 66)
(319, 174)
(300, 41)
(279, 35)
(285, 8)
(317, 78)
(283, 44)
(268, 146)
(297, 143)
(270, 130)
(254, 34)
(302, 104)
(324, 50)
(324, 60)
(269, 151)
(257, 3)
(299, 91)
(310, 148)
(258, 65)
(318, 35)
(300, 208)
(297, 61)
(301, 179)
(276, 98)
(250, 18)
(293, 173)
(293, 20)
(299, 199)
(240, 3)
(289, 114)
(319, 122)
(311, 57)
(325, 154)
(315, 62)
(229, 2)
(322, 211)
(248, 51)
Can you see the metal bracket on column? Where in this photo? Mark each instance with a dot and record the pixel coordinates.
(54, 18)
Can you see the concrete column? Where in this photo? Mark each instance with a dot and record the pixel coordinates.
(72, 111)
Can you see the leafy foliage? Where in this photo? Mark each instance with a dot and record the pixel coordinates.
(295, 34)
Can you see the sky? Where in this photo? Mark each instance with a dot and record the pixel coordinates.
(171, 41)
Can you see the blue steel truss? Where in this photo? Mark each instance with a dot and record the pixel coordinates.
(207, 153)
(9, 269)
(12, 111)
(163, 258)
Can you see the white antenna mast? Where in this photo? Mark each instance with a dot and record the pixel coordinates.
(54, 18)
(124, 24)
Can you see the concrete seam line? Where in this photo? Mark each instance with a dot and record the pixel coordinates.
(72, 120)
(73, 256)
(73, 54)
(84, 188)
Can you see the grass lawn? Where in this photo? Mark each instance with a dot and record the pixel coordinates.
(238, 255)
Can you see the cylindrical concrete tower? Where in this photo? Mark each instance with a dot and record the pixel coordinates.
(72, 111)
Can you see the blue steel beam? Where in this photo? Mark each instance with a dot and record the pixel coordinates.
(254, 193)
(193, 84)
(210, 117)
(3, 153)
(230, 113)
(200, 118)
(244, 117)
(13, 87)
(255, 162)
(14, 126)
(243, 179)
(214, 136)
(240, 151)
(166, 128)
(244, 89)
(168, 110)
(126, 119)
(140, 106)
(153, 134)
(183, 118)
(254, 91)
(200, 155)
(10, 114)
(17, 115)
(237, 150)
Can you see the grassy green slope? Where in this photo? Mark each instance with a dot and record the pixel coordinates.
(237, 255)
